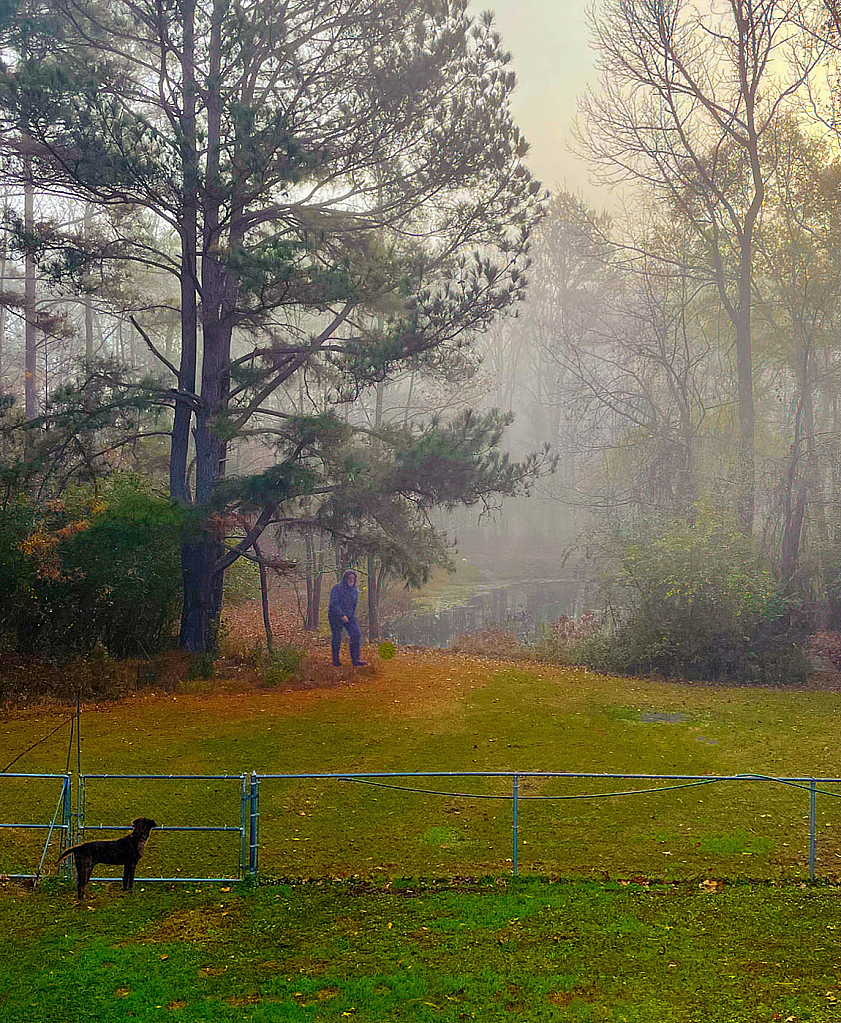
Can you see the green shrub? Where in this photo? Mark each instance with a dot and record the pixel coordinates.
(242, 582)
(91, 568)
(695, 600)
(281, 666)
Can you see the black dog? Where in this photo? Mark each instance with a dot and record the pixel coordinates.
(126, 850)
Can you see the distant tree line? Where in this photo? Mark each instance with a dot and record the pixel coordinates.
(681, 351)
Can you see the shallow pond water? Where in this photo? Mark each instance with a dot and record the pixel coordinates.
(520, 607)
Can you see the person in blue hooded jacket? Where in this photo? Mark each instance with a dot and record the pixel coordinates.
(341, 613)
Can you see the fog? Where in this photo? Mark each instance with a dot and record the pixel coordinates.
(649, 335)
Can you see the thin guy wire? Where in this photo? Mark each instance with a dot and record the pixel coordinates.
(34, 744)
(49, 836)
(586, 795)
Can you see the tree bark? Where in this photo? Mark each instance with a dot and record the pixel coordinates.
(314, 575)
(180, 444)
(30, 387)
(3, 256)
(88, 299)
(373, 600)
(264, 597)
(746, 468)
(219, 297)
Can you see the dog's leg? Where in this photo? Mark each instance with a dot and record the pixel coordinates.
(128, 877)
(84, 869)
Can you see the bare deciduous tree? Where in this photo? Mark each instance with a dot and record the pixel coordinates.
(686, 100)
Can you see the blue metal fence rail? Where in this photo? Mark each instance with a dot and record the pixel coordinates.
(683, 780)
(243, 829)
(249, 790)
(62, 811)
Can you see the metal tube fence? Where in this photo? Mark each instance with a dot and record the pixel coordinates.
(680, 780)
(242, 830)
(248, 829)
(62, 814)
(254, 825)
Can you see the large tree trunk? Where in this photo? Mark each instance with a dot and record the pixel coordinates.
(219, 297)
(180, 444)
(202, 594)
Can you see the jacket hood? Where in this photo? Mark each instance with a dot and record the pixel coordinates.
(350, 571)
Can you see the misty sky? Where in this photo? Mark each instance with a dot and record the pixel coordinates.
(554, 63)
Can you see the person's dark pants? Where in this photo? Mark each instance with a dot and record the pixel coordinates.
(354, 635)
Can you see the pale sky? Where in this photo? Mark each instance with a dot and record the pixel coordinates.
(554, 63)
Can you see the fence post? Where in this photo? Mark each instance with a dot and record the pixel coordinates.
(244, 800)
(254, 825)
(80, 808)
(514, 807)
(812, 800)
(66, 812)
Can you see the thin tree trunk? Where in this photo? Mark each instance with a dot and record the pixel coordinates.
(373, 600)
(311, 623)
(794, 507)
(746, 469)
(3, 256)
(264, 597)
(373, 588)
(30, 387)
(88, 222)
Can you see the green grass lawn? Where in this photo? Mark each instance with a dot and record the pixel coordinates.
(440, 713)
(492, 950)
(632, 928)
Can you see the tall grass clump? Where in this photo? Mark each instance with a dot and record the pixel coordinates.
(279, 667)
(566, 640)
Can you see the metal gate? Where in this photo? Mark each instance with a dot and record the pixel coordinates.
(60, 820)
(246, 828)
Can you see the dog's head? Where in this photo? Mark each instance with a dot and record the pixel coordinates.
(144, 825)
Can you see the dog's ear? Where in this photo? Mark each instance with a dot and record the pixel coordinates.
(136, 821)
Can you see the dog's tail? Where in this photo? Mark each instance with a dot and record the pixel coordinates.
(67, 853)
